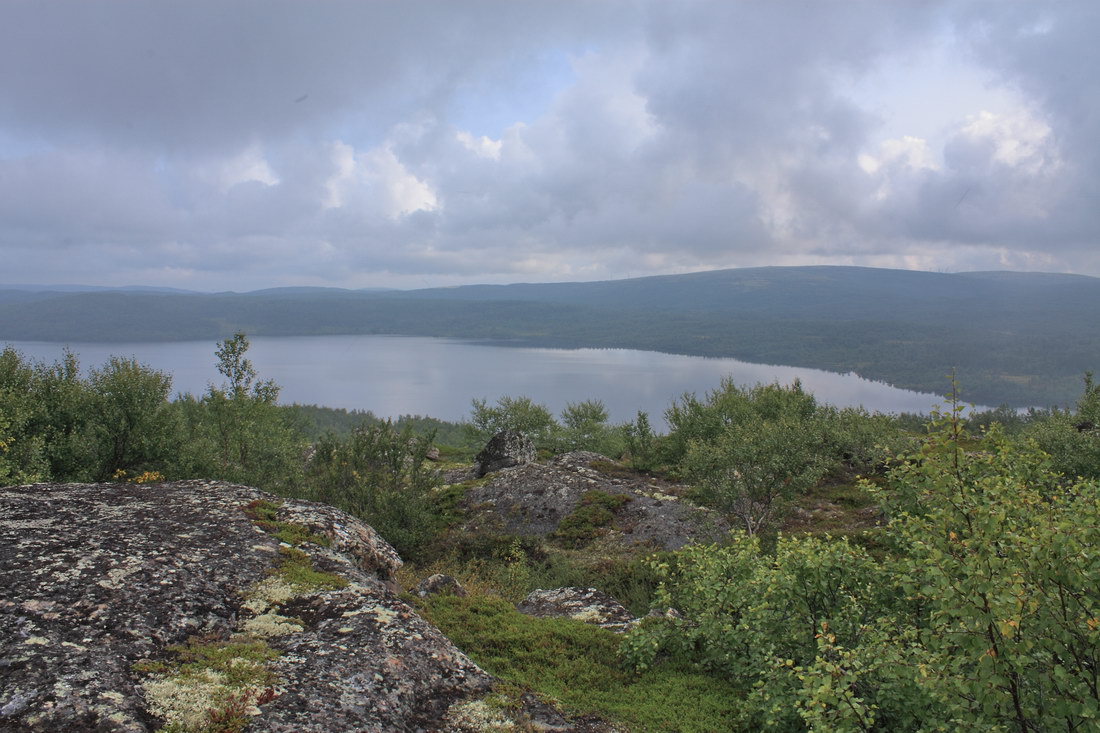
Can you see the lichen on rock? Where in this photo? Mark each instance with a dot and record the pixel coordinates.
(105, 584)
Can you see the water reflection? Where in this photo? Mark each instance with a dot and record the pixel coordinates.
(394, 375)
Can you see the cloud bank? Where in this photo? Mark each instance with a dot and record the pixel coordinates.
(242, 145)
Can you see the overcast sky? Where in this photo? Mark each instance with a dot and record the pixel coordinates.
(240, 145)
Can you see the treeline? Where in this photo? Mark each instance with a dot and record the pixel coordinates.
(1020, 339)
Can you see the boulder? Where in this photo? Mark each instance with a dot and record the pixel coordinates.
(505, 449)
(534, 499)
(589, 605)
(105, 589)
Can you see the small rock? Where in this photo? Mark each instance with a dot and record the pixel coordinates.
(665, 613)
(439, 583)
(589, 605)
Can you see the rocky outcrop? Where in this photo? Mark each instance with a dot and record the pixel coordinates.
(108, 592)
(505, 449)
(589, 605)
(534, 499)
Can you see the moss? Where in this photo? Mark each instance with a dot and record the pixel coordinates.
(297, 571)
(447, 502)
(590, 518)
(265, 515)
(617, 470)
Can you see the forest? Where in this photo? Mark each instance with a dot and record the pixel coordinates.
(969, 600)
(1021, 339)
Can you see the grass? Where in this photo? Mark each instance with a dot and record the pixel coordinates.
(837, 509)
(577, 665)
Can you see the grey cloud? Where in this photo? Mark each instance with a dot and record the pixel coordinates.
(695, 134)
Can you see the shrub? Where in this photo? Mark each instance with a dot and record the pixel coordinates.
(984, 617)
(519, 413)
(378, 474)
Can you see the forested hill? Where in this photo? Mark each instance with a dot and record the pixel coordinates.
(1015, 338)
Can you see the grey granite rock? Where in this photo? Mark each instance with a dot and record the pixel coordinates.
(533, 499)
(505, 449)
(97, 578)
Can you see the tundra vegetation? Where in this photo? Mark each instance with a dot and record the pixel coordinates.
(885, 573)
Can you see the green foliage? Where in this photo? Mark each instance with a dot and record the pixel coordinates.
(1000, 557)
(237, 432)
(640, 443)
(1072, 438)
(753, 450)
(985, 614)
(577, 665)
(61, 414)
(22, 450)
(378, 474)
(747, 614)
(693, 421)
(130, 420)
(584, 427)
(519, 413)
(754, 468)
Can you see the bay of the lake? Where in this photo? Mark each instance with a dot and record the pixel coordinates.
(412, 375)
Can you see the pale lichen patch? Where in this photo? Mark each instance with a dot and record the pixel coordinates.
(270, 624)
(269, 592)
(483, 714)
(588, 616)
(185, 701)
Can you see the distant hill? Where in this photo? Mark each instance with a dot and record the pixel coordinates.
(1015, 338)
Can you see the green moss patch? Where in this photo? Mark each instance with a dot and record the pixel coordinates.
(265, 515)
(591, 518)
(577, 665)
(836, 509)
(617, 470)
(297, 571)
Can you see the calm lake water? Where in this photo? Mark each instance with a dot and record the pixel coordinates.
(396, 375)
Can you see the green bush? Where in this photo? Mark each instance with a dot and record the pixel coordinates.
(984, 616)
(641, 443)
(130, 419)
(237, 432)
(1072, 438)
(378, 474)
(511, 413)
(754, 468)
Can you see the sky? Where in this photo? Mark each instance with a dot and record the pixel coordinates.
(213, 145)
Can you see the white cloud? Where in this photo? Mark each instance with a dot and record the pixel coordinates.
(482, 146)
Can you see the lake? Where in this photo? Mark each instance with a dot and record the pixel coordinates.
(396, 375)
